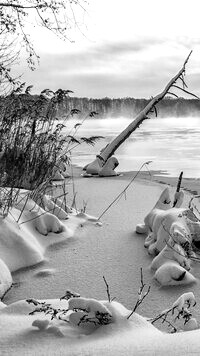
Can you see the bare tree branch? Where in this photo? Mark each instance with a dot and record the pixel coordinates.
(57, 16)
(142, 116)
(169, 92)
(185, 91)
(18, 6)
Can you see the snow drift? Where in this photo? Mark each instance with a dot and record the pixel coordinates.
(25, 330)
(170, 234)
(28, 229)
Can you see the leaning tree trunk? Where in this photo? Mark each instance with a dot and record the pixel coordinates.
(96, 166)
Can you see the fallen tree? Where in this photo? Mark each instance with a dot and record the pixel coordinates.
(95, 167)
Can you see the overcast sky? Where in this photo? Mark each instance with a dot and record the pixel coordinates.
(129, 48)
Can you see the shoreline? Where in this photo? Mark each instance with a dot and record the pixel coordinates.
(190, 185)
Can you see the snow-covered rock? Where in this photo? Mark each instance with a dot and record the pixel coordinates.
(171, 273)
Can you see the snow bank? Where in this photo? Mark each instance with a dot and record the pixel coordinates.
(171, 231)
(18, 247)
(29, 334)
(28, 229)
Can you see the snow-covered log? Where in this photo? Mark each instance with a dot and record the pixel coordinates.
(110, 149)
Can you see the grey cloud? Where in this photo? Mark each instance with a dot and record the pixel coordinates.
(87, 73)
(124, 47)
(98, 54)
(100, 84)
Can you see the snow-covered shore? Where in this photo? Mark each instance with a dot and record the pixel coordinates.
(78, 263)
(134, 336)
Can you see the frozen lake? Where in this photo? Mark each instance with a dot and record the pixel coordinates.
(171, 143)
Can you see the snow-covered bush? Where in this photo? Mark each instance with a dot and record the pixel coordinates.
(180, 310)
(91, 313)
(171, 231)
(79, 311)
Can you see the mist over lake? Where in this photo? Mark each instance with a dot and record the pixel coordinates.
(171, 143)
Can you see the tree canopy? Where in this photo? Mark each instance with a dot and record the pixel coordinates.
(17, 16)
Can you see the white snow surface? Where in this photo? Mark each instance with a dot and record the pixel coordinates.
(27, 231)
(116, 252)
(5, 278)
(24, 334)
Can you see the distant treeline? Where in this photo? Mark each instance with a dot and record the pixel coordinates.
(129, 107)
(126, 107)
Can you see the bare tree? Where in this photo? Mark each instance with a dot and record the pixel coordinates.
(177, 82)
(8, 56)
(57, 16)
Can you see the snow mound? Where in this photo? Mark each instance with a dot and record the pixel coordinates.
(172, 274)
(18, 247)
(25, 334)
(170, 232)
(28, 230)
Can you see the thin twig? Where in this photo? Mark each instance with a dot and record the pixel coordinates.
(141, 296)
(107, 289)
(123, 191)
